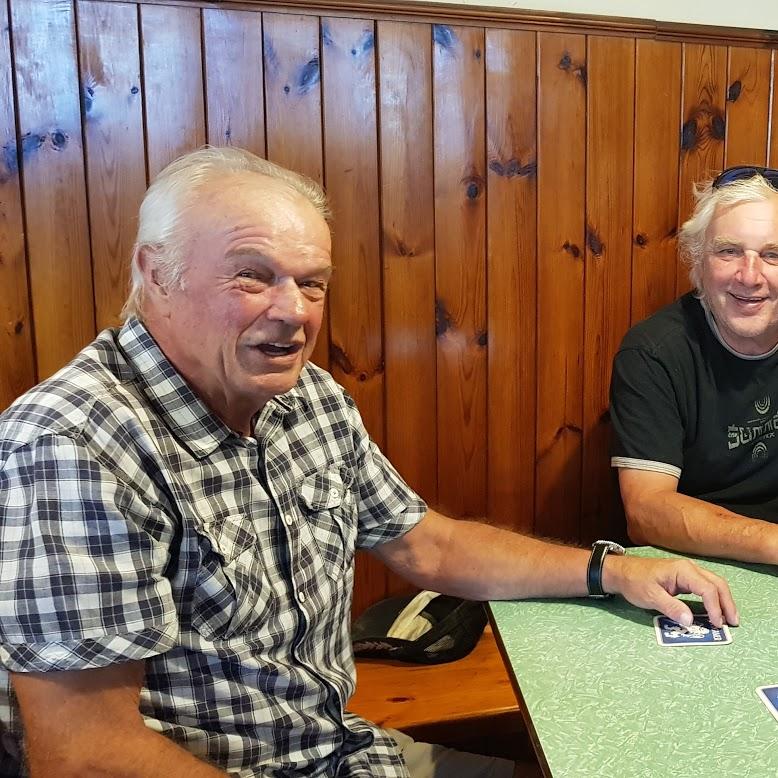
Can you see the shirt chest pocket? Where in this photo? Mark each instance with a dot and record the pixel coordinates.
(329, 505)
(232, 595)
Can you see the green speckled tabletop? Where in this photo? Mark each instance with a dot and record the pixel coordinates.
(602, 698)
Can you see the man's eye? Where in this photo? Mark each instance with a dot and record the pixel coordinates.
(728, 251)
(771, 257)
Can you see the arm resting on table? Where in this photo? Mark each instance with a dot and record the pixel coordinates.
(481, 562)
(658, 515)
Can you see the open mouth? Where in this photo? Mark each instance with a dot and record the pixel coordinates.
(279, 349)
(747, 300)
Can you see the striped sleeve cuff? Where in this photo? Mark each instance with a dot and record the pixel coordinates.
(646, 464)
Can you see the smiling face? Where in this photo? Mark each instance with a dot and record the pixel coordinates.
(740, 274)
(245, 319)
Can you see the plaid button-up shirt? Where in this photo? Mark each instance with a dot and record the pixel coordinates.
(135, 525)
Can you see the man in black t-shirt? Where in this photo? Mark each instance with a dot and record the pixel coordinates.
(694, 396)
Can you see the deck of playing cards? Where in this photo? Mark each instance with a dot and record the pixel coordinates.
(700, 633)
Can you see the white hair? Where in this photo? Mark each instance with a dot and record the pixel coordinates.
(160, 230)
(692, 237)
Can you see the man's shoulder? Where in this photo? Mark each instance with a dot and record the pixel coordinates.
(317, 388)
(669, 329)
(63, 403)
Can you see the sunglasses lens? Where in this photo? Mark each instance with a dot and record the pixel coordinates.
(744, 173)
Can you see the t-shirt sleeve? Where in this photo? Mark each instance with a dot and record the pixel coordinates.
(647, 423)
(82, 561)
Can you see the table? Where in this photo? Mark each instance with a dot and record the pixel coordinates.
(601, 698)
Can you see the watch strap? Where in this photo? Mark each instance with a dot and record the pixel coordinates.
(600, 549)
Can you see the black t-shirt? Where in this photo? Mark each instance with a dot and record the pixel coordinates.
(684, 404)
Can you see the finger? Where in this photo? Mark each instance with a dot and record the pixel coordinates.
(672, 607)
(718, 596)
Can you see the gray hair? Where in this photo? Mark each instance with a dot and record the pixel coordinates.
(692, 236)
(160, 231)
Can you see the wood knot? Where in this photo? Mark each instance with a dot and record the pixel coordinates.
(473, 186)
(641, 239)
(134, 90)
(718, 127)
(571, 248)
(442, 318)
(689, 135)
(594, 242)
(404, 250)
(308, 76)
(18, 327)
(482, 338)
(59, 139)
(477, 54)
(735, 88)
(444, 36)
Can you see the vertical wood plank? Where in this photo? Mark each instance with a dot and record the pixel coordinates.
(512, 275)
(773, 151)
(748, 106)
(407, 226)
(460, 221)
(173, 83)
(351, 173)
(609, 174)
(17, 358)
(351, 154)
(232, 48)
(54, 186)
(561, 208)
(113, 133)
(293, 110)
(703, 130)
(657, 146)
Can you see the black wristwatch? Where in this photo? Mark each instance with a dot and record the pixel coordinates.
(600, 549)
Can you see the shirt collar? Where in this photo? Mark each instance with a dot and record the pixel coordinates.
(715, 329)
(184, 413)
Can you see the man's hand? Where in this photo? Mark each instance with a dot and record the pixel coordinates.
(652, 583)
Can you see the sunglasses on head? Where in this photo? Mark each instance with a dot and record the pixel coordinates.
(744, 172)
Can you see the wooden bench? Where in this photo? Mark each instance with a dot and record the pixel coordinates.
(468, 704)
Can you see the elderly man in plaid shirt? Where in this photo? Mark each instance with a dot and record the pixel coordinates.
(180, 505)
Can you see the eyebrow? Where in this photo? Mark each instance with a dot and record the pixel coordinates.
(247, 252)
(720, 242)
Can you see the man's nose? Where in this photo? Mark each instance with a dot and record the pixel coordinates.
(751, 269)
(288, 302)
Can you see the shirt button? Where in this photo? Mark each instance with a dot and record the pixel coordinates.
(289, 519)
(301, 595)
(334, 493)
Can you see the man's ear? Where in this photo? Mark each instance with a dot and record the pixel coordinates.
(147, 263)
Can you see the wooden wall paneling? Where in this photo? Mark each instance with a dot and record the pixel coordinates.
(773, 149)
(460, 221)
(408, 251)
(748, 106)
(293, 111)
(609, 175)
(109, 58)
(53, 175)
(512, 275)
(655, 199)
(232, 50)
(351, 171)
(703, 130)
(561, 245)
(173, 83)
(17, 356)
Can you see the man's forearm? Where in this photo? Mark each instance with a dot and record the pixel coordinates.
(140, 753)
(480, 562)
(683, 523)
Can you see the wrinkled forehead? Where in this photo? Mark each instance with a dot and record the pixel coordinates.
(238, 199)
(757, 218)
